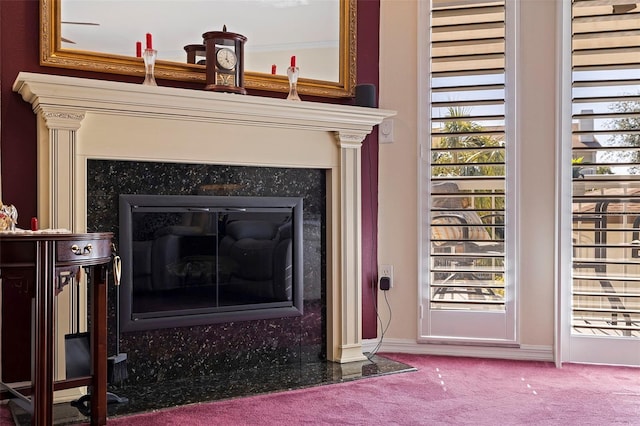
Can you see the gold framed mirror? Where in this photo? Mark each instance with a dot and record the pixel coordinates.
(57, 49)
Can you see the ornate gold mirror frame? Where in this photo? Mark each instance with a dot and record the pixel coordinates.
(52, 54)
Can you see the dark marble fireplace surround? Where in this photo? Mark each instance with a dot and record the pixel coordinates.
(213, 349)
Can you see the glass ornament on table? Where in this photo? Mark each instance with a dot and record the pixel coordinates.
(8, 217)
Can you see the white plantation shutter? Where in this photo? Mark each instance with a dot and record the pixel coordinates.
(467, 158)
(466, 293)
(606, 168)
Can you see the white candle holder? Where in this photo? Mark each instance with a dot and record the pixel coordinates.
(292, 73)
(149, 56)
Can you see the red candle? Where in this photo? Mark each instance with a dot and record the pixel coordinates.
(273, 69)
(149, 41)
(34, 223)
(293, 61)
(138, 49)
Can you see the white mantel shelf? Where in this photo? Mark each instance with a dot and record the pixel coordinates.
(44, 90)
(82, 119)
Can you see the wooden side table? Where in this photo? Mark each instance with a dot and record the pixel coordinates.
(45, 262)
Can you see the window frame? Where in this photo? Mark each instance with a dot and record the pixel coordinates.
(508, 324)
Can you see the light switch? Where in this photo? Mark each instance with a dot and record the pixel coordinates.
(385, 131)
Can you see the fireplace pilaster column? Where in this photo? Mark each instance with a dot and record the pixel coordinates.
(59, 206)
(58, 168)
(347, 285)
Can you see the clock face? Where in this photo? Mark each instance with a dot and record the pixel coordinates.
(226, 59)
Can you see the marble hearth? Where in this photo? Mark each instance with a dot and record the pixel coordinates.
(82, 119)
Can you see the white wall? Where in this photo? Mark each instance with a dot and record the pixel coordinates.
(536, 137)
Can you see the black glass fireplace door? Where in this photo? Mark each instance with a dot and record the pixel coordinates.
(204, 261)
(194, 260)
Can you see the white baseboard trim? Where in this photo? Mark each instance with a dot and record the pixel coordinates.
(524, 352)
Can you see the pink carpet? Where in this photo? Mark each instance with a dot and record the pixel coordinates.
(444, 391)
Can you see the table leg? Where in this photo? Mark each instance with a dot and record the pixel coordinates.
(42, 347)
(99, 345)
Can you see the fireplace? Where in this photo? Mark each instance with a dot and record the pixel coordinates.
(81, 120)
(207, 342)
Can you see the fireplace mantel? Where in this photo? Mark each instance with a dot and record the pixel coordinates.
(81, 119)
(58, 94)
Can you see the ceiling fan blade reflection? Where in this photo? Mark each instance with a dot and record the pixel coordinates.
(66, 40)
(79, 23)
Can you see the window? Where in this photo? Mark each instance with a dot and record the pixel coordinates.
(465, 167)
(606, 168)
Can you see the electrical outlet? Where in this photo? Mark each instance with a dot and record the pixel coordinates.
(386, 271)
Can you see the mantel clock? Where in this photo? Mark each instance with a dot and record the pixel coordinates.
(225, 61)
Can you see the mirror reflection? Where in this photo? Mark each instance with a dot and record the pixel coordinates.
(275, 29)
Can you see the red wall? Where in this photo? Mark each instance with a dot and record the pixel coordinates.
(368, 73)
(19, 51)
